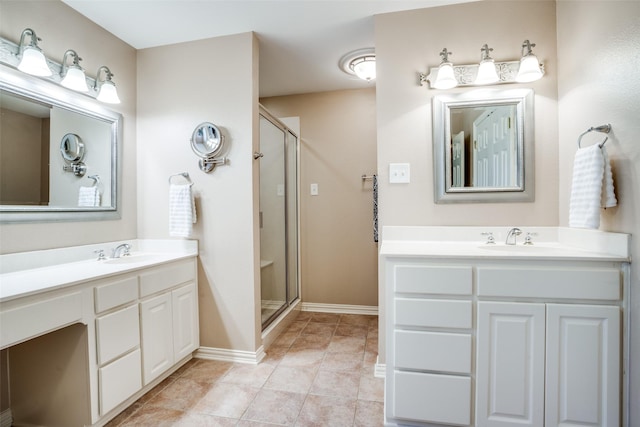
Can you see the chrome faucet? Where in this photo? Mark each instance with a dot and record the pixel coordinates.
(512, 236)
(121, 250)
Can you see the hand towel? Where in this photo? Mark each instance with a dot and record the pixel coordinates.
(89, 196)
(182, 210)
(591, 188)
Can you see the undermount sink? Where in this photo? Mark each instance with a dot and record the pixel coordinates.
(131, 259)
(517, 248)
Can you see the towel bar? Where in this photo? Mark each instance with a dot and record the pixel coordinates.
(602, 128)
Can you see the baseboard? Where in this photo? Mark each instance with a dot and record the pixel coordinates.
(226, 355)
(380, 370)
(340, 308)
(6, 419)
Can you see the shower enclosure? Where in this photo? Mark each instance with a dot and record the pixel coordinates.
(278, 158)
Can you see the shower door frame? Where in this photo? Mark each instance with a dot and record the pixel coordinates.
(263, 112)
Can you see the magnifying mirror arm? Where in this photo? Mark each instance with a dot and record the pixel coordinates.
(78, 168)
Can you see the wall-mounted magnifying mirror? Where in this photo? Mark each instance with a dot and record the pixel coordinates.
(207, 142)
(483, 146)
(72, 148)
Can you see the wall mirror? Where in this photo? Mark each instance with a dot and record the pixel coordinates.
(483, 142)
(37, 118)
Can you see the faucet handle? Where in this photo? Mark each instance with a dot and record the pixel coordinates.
(490, 239)
(528, 238)
(100, 253)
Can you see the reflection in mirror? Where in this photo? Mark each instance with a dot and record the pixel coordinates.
(45, 131)
(483, 146)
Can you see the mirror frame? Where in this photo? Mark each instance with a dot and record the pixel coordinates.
(442, 105)
(42, 91)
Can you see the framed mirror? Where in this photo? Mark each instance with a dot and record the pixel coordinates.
(45, 129)
(483, 142)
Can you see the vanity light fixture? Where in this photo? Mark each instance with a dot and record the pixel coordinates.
(487, 69)
(73, 76)
(106, 88)
(529, 70)
(445, 78)
(32, 60)
(361, 63)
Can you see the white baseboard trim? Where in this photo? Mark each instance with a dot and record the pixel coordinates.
(6, 419)
(340, 308)
(226, 355)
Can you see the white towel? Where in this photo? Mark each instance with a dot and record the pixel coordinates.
(89, 196)
(592, 187)
(182, 210)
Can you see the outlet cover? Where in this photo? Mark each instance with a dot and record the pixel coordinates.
(399, 173)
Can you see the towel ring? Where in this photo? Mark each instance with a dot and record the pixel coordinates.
(185, 175)
(96, 180)
(602, 128)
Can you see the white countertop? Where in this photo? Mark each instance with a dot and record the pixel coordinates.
(550, 243)
(17, 283)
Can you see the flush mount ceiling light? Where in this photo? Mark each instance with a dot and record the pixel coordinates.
(106, 88)
(360, 63)
(32, 60)
(448, 75)
(73, 75)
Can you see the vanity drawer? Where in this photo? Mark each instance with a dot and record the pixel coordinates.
(433, 313)
(117, 293)
(432, 398)
(433, 351)
(167, 277)
(563, 283)
(117, 333)
(420, 279)
(119, 380)
(30, 320)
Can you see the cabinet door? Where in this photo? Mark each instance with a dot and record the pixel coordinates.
(185, 321)
(510, 364)
(583, 365)
(157, 336)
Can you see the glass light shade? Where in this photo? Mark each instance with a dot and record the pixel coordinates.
(529, 70)
(75, 79)
(487, 73)
(108, 93)
(365, 69)
(33, 62)
(445, 78)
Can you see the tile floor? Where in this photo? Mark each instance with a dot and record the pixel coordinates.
(318, 372)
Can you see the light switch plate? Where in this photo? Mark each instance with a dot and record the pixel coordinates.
(399, 173)
(313, 189)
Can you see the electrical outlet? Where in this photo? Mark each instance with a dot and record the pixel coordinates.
(313, 189)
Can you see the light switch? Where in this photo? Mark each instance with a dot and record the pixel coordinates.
(399, 173)
(313, 189)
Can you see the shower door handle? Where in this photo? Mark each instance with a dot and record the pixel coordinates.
(257, 155)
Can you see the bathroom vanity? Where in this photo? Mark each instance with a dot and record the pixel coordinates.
(87, 338)
(505, 335)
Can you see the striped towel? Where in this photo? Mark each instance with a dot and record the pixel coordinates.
(591, 188)
(182, 210)
(89, 196)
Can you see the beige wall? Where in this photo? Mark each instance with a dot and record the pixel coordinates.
(62, 28)
(337, 146)
(408, 43)
(179, 87)
(598, 82)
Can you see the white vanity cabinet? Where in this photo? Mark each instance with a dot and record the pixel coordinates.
(169, 317)
(503, 343)
(555, 361)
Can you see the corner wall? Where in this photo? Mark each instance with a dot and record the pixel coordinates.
(598, 83)
(181, 86)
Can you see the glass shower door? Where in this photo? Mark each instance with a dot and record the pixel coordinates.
(278, 218)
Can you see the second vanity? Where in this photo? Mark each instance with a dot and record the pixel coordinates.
(86, 338)
(498, 335)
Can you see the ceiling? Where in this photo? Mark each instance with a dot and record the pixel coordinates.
(301, 41)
